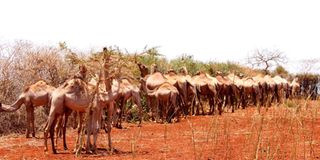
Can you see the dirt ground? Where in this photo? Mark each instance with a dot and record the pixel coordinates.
(279, 133)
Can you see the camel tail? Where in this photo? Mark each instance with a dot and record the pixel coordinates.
(12, 108)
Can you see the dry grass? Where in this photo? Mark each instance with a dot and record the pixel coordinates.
(287, 131)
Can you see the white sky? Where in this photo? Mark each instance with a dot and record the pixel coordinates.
(209, 30)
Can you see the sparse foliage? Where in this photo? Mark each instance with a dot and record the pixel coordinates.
(187, 61)
(309, 65)
(280, 70)
(266, 58)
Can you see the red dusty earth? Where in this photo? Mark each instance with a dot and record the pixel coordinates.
(279, 133)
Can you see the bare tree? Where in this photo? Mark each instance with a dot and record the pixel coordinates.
(267, 58)
(309, 65)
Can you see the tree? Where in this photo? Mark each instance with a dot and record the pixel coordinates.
(309, 66)
(266, 58)
(280, 70)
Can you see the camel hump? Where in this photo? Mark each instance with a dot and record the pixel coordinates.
(36, 86)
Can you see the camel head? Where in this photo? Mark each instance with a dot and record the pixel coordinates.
(183, 71)
(154, 68)
(82, 73)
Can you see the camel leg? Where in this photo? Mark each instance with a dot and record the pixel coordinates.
(52, 127)
(136, 100)
(109, 121)
(78, 145)
(29, 119)
(50, 122)
(58, 129)
(32, 122)
(166, 109)
(90, 122)
(96, 127)
(122, 107)
(150, 107)
(67, 114)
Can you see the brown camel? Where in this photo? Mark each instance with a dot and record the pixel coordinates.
(101, 100)
(143, 70)
(35, 95)
(206, 86)
(272, 91)
(226, 93)
(250, 91)
(149, 83)
(74, 95)
(282, 88)
(185, 87)
(263, 86)
(128, 90)
(237, 88)
(294, 88)
(166, 96)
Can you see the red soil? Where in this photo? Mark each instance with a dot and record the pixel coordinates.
(285, 134)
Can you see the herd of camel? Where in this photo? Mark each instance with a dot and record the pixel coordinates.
(169, 97)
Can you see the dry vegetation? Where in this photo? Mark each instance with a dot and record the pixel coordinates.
(286, 131)
(289, 131)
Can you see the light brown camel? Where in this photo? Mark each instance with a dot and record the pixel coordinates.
(143, 70)
(273, 91)
(226, 93)
(73, 94)
(294, 88)
(263, 88)
(282, 87)
(35, 95)
(166, 96)
(251, 92)
(237, 88)
(128, 90)
(185, 87)
(149, 83)
(205, 86)
(101, 100)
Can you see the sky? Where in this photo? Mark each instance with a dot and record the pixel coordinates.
(227, 30)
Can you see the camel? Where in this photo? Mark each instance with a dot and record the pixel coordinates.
(35, 95)
(149, 83)
(282, 88)
(74, 95)
(143, 70)
(228, 92)
(206, 86)
(250, 91)
(166, 95)
(272, 91)
(101, 100)
(128, 90)
(263, 88)
(185, 87)
(237, 88)
(294, 88)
